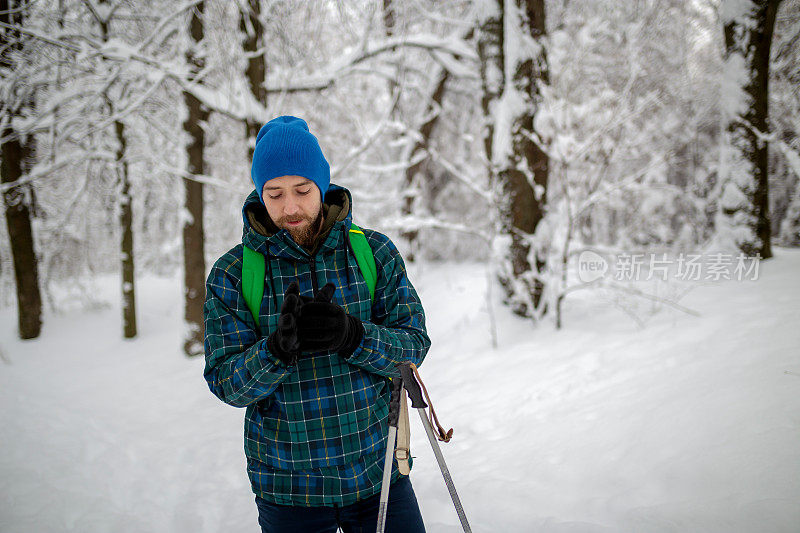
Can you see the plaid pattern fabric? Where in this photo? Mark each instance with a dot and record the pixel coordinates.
(315, 434)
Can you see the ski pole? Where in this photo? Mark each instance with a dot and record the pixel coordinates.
(417, 402)
(394, 411)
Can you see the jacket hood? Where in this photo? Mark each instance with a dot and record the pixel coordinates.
(262, 235)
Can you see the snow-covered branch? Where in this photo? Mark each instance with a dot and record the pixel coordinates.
(454, 46)
(605, 189)
(115, 50)
(41, 171)
(459, 175)
(393, 167)
(205, 180)
(792, 157)
(416, 223)
(384, 123)
(652, 297)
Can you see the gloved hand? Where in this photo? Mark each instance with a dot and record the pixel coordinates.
(325, 326)
(284, 342)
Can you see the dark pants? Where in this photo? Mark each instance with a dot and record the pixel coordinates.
(402, 515)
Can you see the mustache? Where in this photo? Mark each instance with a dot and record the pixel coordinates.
(312, 220)
(295, 219)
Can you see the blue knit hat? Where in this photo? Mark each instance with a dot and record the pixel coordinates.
(285, 147)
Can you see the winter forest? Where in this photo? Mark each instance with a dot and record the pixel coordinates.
(554, 173)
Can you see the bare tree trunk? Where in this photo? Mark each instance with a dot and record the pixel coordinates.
(389, 18)
(193, 232)
(743, 218)
(490, 52)
(129, 329)
(18, 220)
(256, 71)
(417, 174)
(413, 179)
(126, 244)
(518, 167)
(194, 262)
(17, 152)
(17, 200)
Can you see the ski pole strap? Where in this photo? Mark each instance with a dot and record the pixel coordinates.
(402, 450)
(416, 389)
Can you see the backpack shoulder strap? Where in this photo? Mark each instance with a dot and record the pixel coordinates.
(254, 270)
(253, 280)
(364, 257)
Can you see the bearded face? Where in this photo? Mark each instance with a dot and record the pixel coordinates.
(303, 229)
(294, 204)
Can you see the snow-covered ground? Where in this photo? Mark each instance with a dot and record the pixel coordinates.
(690, 424)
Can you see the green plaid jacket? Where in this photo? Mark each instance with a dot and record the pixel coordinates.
(315, 433)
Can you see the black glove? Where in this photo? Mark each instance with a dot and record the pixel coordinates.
(324, 326)
(283, 342)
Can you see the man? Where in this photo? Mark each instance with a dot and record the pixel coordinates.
(314, 371)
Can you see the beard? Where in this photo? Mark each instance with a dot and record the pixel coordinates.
(305, 234)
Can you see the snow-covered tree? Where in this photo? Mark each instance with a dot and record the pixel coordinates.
(630, 129)
(784, 120)
(513, 65)
(455, 125)
(743, 216)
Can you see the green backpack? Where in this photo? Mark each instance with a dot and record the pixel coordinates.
(254, 270)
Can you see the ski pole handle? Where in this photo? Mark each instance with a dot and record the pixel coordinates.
(394, 402)
(411, 385)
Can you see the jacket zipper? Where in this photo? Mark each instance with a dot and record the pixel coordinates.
(312, 264)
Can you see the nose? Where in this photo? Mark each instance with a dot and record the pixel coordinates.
(290, 207)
